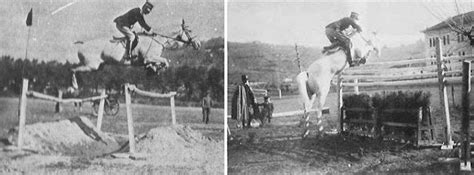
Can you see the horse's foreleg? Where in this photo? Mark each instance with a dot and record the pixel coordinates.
(78, 69)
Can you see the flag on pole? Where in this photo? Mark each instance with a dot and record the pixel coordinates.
(29, 19)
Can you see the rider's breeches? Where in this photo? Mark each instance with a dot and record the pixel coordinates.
(125, 30)
(335, 36)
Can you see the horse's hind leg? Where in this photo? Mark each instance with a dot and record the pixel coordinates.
(322, 94)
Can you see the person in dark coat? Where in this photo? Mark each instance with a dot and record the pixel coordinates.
(243, 103)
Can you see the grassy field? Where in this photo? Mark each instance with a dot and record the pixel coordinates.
(145, 117)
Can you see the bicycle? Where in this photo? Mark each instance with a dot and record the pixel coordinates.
(111, 106)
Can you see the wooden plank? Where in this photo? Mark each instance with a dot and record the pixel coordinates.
(150, 94)
(431, 81)
(357, 109)
(393, 110)
(414, 61)
(359, 121)
(43, 96)
(68, 100)
(299, 112)
(411, 125)
(397, 77)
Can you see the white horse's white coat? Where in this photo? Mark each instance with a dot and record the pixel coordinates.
(101, 51)
(314, 83)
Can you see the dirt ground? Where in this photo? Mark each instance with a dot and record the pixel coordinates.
(61, 143)
(277, 148)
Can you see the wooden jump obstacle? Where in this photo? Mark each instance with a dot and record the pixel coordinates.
(423, 126)
(23, 101)
(128, 101)
(371, 75)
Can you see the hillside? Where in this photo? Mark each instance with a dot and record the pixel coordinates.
(273, 63)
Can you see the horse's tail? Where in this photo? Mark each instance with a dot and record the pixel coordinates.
(302, 79)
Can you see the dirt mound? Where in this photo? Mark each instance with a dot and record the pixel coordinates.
(182, 146)
(75, 136)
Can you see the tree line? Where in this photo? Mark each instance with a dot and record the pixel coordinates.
(192, 74)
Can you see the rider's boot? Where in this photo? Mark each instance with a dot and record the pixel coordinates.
(349, 58)
(127, 55)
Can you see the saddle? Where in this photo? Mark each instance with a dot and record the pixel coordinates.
(331, 49)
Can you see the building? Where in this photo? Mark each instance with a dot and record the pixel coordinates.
(452, 42)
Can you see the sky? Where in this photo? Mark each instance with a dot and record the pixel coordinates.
(59, 23)
(397, 22)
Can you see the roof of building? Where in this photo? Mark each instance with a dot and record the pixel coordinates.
(456, 20)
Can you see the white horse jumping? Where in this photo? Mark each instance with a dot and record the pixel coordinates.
(93, 55)
(314, 83)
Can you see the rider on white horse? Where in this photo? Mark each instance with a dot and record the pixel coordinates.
(334, 32)
(125, 23)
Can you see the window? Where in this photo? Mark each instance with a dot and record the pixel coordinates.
(459, 38)
(447, 39)
(431, 42)
(444, 40)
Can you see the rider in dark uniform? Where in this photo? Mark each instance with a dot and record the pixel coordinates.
(125, 23)
(337, 38)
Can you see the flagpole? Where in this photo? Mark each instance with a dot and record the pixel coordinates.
(26, 52)
(29, 23)
(22, 104)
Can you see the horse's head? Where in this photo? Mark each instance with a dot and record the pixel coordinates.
(184, 35)
(365, 45)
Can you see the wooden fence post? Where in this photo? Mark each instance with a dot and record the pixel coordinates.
(443, 95)
(22, 113)
(465, 128)
(131, 135)
(100, 113)
(173, 112)
(279, 93)
(339, 102)
(356, 88)
(58, 104)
